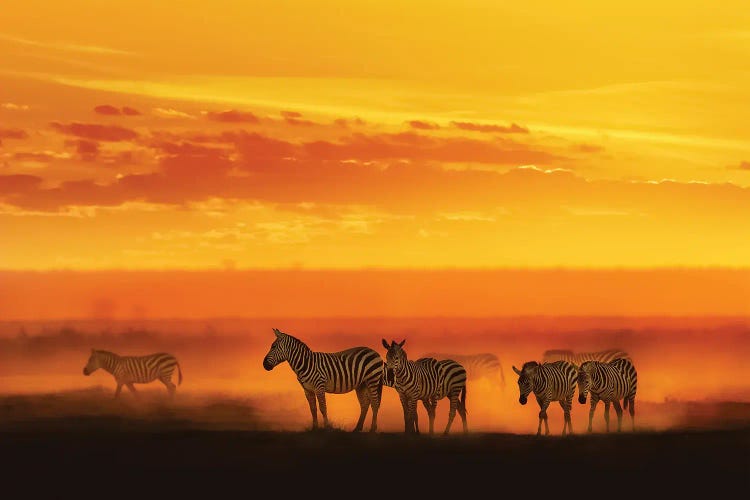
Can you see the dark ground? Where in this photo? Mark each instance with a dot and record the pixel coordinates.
(76, 442)
(136, 455)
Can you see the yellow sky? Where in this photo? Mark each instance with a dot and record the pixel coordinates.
(630, 148)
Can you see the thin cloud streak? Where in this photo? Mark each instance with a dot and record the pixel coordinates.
(66, 46)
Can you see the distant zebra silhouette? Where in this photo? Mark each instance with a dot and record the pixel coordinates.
(578, 358)
(357, 369)
(428, 380)
(478, 366)
(609, 382)
(130, 370)
(549, 382)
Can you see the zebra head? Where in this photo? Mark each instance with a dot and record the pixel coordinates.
(584, 380)
(93, 364)
(526, 379)
(279, 351)
(395, 359)
(389, 378)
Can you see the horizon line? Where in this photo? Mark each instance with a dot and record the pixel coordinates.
(383, 268)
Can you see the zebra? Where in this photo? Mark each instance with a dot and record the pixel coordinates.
(483, 365)
(357, 369)
(577, 358)
(550, 382)
(428, 380)
(609, 382)
(130, 370)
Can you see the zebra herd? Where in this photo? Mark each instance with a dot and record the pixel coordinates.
(608, 376)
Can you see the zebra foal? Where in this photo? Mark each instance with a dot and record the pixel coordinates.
(357, 369)
(609, 382)
(549, 382)
(130, 370)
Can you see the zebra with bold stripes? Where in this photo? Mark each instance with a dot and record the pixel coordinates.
(609, 382)
(357, 369)
(130, 370)
(549, 382)
(578, 358)
(483, 365)
(428, 380)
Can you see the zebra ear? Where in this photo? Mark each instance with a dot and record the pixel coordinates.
(516, 370)
(401, 344)
(385, 344)
(276, 331)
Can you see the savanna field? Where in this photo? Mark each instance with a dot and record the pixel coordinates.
(194, 196)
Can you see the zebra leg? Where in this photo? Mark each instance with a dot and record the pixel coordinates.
(364, 404)
(542, 418)
(374, 398)
(323, 410)
(310, 395)
(631, 409)
(462, 412)
(594, 402)
(170, 386)
(405, 408)
(412, 424)
(618, 410)
(117, 390)
(453, 398)
(430, 413)
(606, 414)
(131, 386)
(567, 405)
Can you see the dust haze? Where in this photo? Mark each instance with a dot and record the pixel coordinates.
(691, 371)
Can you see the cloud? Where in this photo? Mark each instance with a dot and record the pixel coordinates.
(12, 133)
(587, 148)
(480, 127)
(87, 150)
(422, 125)
(95, 131)
(109, 110)
(294, 118)
(14, 107)
(232, 116)
(171, 113)
(65, 46)
(106, 109)
(18, 183)
(346, 123)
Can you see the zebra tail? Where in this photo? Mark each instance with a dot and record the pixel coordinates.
(179, 373)
(625, 404)
(463, 399)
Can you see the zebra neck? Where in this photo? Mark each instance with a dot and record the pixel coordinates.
(109, 362)
(299, 359)
(402, 373)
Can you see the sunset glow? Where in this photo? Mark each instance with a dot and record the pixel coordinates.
(139, 135)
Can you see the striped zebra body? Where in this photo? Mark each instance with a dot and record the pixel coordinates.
(130, 370)
(428, 380)
(549, 382)
(478, 366)
(609, 382)
(358, 369)
(578, 358)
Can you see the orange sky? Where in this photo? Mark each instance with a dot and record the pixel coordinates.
(338, 134)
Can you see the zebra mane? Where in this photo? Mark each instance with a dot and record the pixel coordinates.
(529, 364)
(106, 353)
(296, 340)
